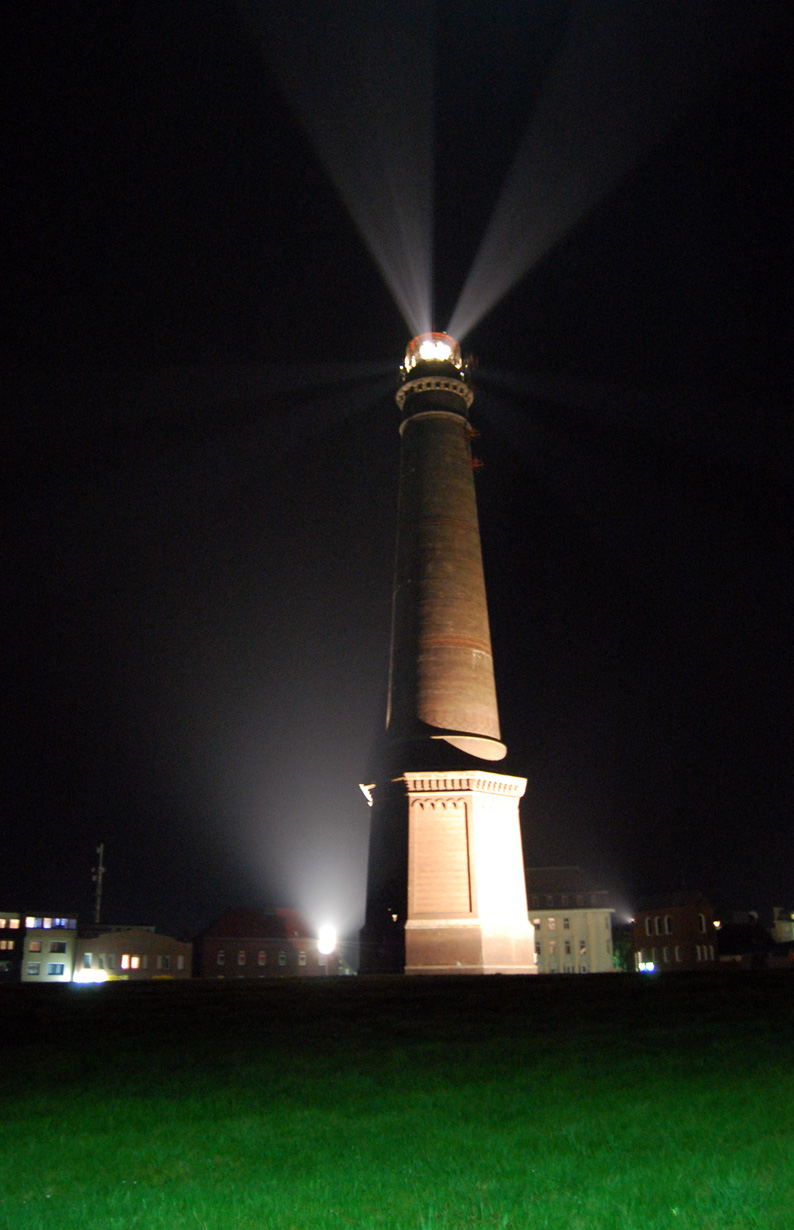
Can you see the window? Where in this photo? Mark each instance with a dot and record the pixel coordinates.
(658, 925)
(241, 957)
(653, 955)
(552, 924)
(678, 952)
(668, 925)
(34, 968)
(665, 954)
(167, 963)
(582, 968)
(13, 924)
(32, 923)
(221, 959)
(552, 948)
(582, 946)
(2, 923)
(566, 924)
(54, 969)
(537, 950)
(697, 952)
(111, 961)
(702, 922)
(262, 957)
(536, 923)
(144, 961)
(135, 963)
(648, 927)
(180, 962)
(86, 960)
(282, 958)
(102, 961)
(58, 946)
(35, 946)
(47, 923)
(301, 958)
(567, 948)
(125, 961)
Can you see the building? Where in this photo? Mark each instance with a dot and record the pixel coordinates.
(49, 947)
(782, 925)
(572, 922)
(11, 937)
(445, 888)
(245, 943)
(675, 933)
(108, 953)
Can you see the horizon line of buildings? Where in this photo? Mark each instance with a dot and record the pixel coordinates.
(575, 932)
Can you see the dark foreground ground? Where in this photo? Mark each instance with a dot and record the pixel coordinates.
(582, 1103)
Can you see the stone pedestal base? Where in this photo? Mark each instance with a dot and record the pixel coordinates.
(467, 902)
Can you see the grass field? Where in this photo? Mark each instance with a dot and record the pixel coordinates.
(597, 1103)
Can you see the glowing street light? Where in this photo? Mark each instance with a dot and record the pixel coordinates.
(326, 942)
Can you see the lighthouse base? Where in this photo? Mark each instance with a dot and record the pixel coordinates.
(467, 902)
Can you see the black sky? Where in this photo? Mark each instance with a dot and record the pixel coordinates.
(202, 494)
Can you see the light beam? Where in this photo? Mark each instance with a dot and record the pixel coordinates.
(360, 78)
(626, 74)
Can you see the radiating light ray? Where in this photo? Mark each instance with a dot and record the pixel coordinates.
(626, 74)
(360, 78)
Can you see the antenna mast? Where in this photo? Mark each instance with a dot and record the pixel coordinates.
(97, 876)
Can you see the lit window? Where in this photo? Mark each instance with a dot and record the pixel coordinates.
(301, 958)
(552, 924)
(566, 924)
(125, 960)
(34, 946)
(241, 957)
(262, 958)
(221, 957)
(86, 960)
(47, 924)
(2, 924)
(13, 924)
(31, 922)
(58, 946)
(582, 946)
(34, 968)
(135, 963)
(55, 970)
(282, 958)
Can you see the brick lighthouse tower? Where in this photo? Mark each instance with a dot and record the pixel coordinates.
(446, 890)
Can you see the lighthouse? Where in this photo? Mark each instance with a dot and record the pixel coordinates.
(445, 891)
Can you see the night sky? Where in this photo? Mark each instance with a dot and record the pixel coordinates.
(199, 356)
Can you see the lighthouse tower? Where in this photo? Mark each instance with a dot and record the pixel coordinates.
(446, 890)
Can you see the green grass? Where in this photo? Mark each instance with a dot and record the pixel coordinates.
(599, 1103)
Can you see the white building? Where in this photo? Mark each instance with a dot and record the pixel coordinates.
(49, 949)
(572, 922)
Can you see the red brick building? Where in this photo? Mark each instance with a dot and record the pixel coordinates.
(253, 944)
(674, 933)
